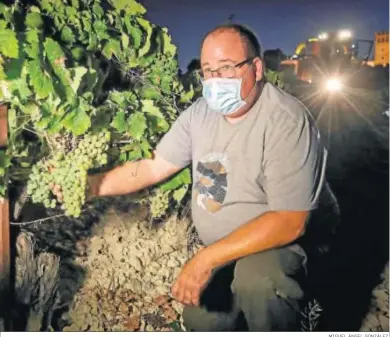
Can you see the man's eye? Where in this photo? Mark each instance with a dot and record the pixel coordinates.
(226, 68)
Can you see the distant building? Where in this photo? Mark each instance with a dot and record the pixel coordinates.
(381, 53)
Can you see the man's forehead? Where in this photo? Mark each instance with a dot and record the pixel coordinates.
(223, 46)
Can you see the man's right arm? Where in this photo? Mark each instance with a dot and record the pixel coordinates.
(131, 177)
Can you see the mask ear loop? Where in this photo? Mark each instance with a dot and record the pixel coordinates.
(254, 87)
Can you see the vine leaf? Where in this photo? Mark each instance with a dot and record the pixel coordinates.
(34, 20)
(119, 121)
(40, 81)
(67, 35)
(130, 7)
(9, 46)
(112, 47)
(5, 162)
(169, 47)
(149, 29)
(32, 46)
(137, 125)
(78, 74)
(154, 114)
(180, 193)
(180, 179)
(77, 121)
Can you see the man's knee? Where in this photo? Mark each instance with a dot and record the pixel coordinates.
(268, 274)
(200, 319)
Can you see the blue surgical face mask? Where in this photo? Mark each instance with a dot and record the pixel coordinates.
(223, 95)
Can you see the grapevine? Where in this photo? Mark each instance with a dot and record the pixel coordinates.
(71, 69)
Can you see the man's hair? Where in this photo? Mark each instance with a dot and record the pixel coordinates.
(247, 35)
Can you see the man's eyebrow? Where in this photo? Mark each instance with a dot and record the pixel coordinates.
(220, 61)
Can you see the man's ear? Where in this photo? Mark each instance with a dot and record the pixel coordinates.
(259, 64)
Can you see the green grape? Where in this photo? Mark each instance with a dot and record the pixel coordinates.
(70, 173)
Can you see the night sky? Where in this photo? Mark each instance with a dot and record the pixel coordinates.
(278, 23)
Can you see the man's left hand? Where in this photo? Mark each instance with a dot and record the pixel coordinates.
(192, 280)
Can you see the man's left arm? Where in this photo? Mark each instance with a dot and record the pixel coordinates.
(294, 166)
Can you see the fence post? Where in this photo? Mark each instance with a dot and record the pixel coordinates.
(5, 289)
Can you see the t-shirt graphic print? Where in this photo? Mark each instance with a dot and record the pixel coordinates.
(210, 186)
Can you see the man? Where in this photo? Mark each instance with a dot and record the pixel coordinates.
(258, 177)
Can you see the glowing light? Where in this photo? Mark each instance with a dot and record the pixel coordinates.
(345, 34)
(323, 36)
(333, 85)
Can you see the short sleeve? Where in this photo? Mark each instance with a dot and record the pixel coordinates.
(176, 145)
(294, 161)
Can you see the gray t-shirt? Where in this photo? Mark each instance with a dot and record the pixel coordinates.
(271, 160)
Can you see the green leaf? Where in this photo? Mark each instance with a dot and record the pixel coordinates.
(186, 96)
(40, 81)
(34, 20)
(146, 147)
(146, 25)
(5, 11)
(53, 50)
(137, 125)
(169, 47)
(5, 162)
(125, 40)
(9, 46)
(149, 92)
(101, 119)
(155, 116)
(101, 30)
(119, 122)
(15, 67)
(131, 7)
(32, 46)
(77, 53)
(77, 121)
(67, 35)
(77, 74)
(12, 120)
(97, 10)
(118, 98)
(180, 193)
(20, 88)
(182, 178)
(112, 47)
(134, 31)
(3, 24)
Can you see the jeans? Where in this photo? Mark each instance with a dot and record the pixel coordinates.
(263, 289)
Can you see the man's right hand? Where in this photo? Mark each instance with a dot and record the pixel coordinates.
(92, 189)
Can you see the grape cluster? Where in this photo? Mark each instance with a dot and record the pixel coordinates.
(69, 172)
(159, 203)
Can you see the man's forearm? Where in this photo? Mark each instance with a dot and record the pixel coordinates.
(128, 178)
(270, 230)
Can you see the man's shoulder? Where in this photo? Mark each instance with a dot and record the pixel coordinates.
(284, 105)
(198, 106)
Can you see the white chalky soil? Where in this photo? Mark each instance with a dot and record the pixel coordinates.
(130, 270)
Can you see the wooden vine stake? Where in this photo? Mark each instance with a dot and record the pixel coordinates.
(5, 289)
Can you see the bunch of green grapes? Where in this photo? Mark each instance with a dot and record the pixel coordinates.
(69, 172)
(159, 203)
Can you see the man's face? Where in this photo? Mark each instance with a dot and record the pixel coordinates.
(226, 48)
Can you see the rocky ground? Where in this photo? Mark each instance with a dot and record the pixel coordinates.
(131, 266)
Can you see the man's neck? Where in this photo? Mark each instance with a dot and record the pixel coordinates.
(234, 119)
